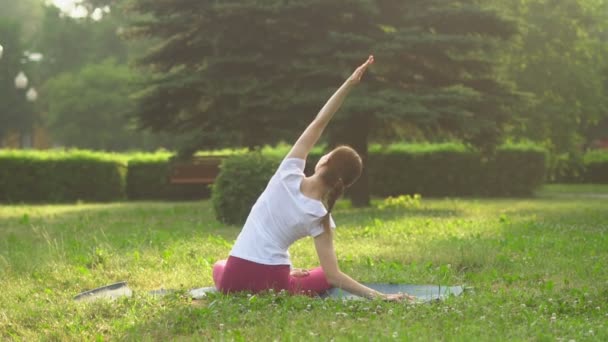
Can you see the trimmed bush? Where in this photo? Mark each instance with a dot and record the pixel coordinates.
(566, 168)
(30, 176)
(241, 180)
(429, 170)
(596, 166)
(516, 170)
(454, 170)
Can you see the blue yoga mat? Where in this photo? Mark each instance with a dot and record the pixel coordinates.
(423, 293)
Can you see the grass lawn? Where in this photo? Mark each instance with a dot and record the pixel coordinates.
(537, 269)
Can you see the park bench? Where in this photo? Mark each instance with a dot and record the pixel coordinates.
(198, 170)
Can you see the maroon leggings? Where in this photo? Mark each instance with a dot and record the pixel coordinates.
(236, 275)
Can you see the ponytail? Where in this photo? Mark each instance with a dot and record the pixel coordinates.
(332, 196)
(341, 169)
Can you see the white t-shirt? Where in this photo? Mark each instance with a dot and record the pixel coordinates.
(281, 215)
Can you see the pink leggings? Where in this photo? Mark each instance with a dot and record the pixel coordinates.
(236, 275)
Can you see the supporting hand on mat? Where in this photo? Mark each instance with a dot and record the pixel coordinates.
(356, 76)
(299, 272)
(398, 297)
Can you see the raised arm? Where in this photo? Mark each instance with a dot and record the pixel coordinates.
(313, 132)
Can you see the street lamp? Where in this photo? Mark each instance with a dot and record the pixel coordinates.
(21, 81)
(31, 95)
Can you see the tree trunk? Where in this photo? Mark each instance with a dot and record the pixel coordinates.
(355, 134)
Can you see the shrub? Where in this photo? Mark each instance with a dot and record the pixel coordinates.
(147, 178)
(516, 170)
(401, 202)
(429, 170)
(566, 168)
(454, 170)
(596, 165)
(30, 176)
(241, 180)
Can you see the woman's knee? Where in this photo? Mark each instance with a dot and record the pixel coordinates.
(218, 271)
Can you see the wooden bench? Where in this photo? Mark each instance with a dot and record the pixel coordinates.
(199, 170)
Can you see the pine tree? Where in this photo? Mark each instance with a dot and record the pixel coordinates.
(255, 72)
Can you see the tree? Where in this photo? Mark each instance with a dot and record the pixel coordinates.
(560, 57)
(89, 108)
(16, 113)
(248, 72)
(68, 43)
(25, 12)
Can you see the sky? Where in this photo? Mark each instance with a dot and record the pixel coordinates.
(73, 9)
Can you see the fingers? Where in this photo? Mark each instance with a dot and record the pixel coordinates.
(298, 273)
(358, 74)
(370, 60)
(398, 297)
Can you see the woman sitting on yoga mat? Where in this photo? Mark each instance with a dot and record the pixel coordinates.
(294, 206)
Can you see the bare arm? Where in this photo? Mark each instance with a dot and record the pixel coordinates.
(313, 132)
(327, 256)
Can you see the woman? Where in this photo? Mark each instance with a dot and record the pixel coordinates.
(294, 206)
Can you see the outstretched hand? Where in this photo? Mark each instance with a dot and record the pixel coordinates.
(299, 272)
(398, 297)
(356, 76)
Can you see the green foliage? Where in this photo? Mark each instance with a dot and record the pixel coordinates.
(268, 66)
(61, 176)
(596, 167)
(28, 12)
(401, 202)
(452, 170)
(89, 108)
(566, 168)
(560, 57)
(429, 170)
(240, 182)
(69, 44)
(592, 167)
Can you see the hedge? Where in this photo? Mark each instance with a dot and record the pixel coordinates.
(596, 166)
(454, 170)
(429, 170)
(31, 176)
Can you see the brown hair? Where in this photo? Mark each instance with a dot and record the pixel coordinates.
(342, 169)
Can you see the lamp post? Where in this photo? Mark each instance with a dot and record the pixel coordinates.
(21, 82)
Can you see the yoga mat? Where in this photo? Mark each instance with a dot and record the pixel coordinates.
(112, 291)
(423, 293)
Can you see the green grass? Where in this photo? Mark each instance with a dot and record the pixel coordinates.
(536, 268)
